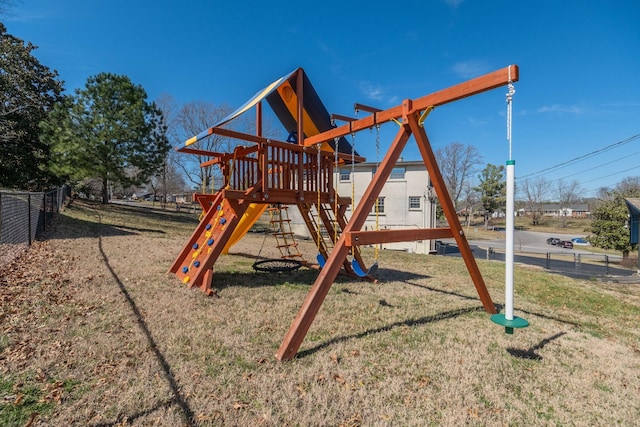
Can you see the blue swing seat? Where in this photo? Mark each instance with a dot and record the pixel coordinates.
(360, 271)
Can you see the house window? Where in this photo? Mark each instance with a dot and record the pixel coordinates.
(379, 206)
(345, 175)
(397, 173)
(414, 203)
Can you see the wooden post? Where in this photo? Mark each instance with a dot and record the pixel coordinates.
(320, 288)
(450, 213)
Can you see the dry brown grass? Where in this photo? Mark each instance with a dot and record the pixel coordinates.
(96, 333)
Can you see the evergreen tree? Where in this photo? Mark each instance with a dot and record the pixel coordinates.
(492, 190)
(108, 131)
(29, 90)
(610, 222)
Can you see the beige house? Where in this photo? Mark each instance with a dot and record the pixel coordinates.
(406, 201)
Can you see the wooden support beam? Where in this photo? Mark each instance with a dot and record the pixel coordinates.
(355, 238)
(199, 152)
(450, 213)
(318, 292)
(357, 106)
(340, 117)
(462, 90)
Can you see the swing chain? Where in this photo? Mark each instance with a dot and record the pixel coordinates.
(377, 247)
(318, 180)
(510, 94)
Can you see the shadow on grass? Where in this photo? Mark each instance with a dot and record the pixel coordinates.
(178, 399)
(441, 291)
(530, 353)
(73, 228)
(155, 213)
(130, 419)
(499, 307)
(303, 276)
(411, 322)
(392, 275)
(68, 227)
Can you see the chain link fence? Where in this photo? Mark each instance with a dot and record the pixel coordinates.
(25, 217)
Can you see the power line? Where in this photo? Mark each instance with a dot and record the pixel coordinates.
(583, 157)
(601, 165)
(611, 174)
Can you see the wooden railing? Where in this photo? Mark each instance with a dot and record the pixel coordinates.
(278, 166)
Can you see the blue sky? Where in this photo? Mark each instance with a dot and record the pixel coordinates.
(578, 93)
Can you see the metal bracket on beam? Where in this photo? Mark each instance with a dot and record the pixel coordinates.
(424, 115)
(357, 107)
(340, 117)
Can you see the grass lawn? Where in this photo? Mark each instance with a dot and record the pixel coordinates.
(94, 332)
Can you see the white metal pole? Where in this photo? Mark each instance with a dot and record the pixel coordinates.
(508, 299)
(507, 319)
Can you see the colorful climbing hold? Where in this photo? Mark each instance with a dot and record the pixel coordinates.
(186, 279)
(223, 221)
(185, 269)
(210, 242)
(208, 227)
(196, 264)
(195, 246)
(207, 234)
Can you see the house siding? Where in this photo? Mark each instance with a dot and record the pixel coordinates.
(396, 193)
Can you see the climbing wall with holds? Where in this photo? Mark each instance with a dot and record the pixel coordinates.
(194, 264)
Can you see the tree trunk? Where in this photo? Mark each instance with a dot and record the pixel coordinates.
(105, 191)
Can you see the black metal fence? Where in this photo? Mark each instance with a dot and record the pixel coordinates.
(571, 263)
(25, 217)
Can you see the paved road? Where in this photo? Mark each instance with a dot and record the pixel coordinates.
(532, 241)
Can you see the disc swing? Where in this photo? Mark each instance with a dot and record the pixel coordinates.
(507, 319)
(355, 265)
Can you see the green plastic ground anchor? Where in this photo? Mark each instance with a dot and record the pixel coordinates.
(509, 325)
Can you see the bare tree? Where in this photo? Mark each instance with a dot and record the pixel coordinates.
(470, 201)
(536, 191)
(567, 193)
(628, 184)
(191, 119)
(166, 182)
(185, 121)
(458, 163)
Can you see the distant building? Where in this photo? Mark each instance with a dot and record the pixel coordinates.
(633, 205)
(557, 210)
(406, 201)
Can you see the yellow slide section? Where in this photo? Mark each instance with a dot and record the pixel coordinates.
(244, 225)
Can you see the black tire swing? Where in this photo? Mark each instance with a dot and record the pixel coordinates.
(274, 265)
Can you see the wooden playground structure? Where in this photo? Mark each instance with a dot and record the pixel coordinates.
(300, 171)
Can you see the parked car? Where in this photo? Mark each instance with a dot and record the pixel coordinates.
(552, 241)
(567, 244)
(580, 241)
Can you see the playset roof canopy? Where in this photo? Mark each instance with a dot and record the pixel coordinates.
(282, 96)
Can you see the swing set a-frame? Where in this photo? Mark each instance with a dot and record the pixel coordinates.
(300, 171)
